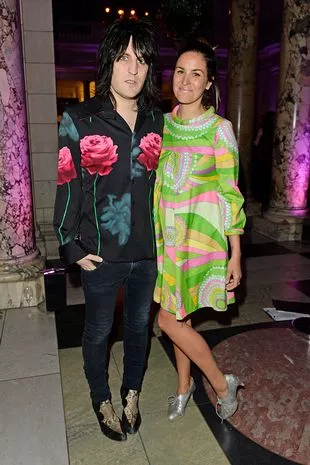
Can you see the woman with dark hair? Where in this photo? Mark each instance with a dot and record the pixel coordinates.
(109, 150)
(198, 206)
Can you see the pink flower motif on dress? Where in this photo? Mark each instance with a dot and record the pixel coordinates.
(150, 146)
(98, 154)
(66, 168)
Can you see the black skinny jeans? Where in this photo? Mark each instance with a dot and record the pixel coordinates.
(101, 288)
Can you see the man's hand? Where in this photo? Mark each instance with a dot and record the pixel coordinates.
(87, 262)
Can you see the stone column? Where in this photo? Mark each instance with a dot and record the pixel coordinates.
(241, 81)
(39, 65)
(21, 283)
(291, 156)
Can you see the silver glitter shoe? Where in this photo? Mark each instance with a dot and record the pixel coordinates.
(177, 404)
(225, 408)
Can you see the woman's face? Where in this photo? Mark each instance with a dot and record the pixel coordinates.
(190, 78)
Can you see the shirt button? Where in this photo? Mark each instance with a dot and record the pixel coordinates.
(133, 223)
(133, 202)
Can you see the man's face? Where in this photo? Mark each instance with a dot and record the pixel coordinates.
(129, 74)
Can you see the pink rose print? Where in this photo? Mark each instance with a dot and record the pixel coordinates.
(150, 146)
(66, 168)
(98, 154)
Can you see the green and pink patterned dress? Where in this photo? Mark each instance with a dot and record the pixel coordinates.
(197, 205)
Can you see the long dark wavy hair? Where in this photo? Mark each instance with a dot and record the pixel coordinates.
(200, 45)
(114, 44)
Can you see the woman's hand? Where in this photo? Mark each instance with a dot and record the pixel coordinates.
(234, 274)
(87, 262)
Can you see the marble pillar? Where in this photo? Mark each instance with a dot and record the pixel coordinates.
(21, 281)
(39, 66)
(291, 156)
(241, 81)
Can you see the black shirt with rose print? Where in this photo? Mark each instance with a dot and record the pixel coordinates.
(106, 174)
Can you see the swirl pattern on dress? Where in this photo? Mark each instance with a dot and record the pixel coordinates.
(212, 292)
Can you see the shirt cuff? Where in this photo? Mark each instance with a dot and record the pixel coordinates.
(234, 232)
(71, 252)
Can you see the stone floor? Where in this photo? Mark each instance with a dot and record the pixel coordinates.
(45, 413)
(275, 405)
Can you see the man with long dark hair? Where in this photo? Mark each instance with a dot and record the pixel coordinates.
(109, 150)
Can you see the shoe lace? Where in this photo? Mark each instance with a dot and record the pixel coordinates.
(218, 409)
(172, 399)
(227, 405)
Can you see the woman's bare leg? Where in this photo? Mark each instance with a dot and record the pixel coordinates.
(183, 366)
(195, 348)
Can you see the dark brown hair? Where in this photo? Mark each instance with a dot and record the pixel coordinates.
(200, 45)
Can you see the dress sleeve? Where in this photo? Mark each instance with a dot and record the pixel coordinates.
(67, 213)
(227, 167)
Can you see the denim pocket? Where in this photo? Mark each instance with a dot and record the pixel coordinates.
(98, 266)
